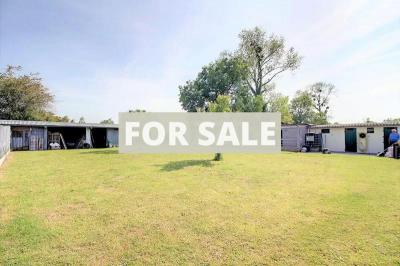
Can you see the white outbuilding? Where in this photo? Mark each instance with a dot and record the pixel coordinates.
(368, 138)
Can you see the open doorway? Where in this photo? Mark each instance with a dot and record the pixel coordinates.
(99, 137)
(386, 133)
(70, 137)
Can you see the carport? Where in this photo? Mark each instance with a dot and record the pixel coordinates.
(42, 135)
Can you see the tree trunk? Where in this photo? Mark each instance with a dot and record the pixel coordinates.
(218, 157)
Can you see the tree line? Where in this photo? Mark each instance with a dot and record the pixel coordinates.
(245, 80)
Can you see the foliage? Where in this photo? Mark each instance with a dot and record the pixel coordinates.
(279, 103)
(266, 58)
(244, 101)
(221, 77)
(301, 108)
(107, 121)
(246, 76)
(221, 104)
(392, 120)
(81, 120)
(50, 116)
(320, 93)
(191, 97)
(23, 97)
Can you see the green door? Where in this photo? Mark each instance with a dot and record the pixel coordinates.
(351, 139)
(386, 133)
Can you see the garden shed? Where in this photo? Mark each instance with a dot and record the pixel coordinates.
(293, 137)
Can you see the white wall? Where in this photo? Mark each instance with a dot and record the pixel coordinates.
(5, 135)
(375, 140)
(334, 141)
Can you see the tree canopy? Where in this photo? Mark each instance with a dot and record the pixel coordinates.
(24, 97)
(107, 121)
(320, 94)
(266, 57)
(301, 108)
(221, 77)
(245, 76)
(277, 102)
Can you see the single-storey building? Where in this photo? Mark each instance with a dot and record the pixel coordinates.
(369, 138)
(44, 135)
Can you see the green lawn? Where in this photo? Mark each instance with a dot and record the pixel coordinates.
(101, 207)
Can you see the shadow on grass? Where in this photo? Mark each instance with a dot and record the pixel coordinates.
(99, 151)
(178, 165)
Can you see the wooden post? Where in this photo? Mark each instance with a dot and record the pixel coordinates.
(45, 139)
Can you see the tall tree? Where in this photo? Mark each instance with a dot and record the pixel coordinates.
(301, 108)
(221, 77)
(23, 97)
(279, 103)
(81, 120)
(320, 94)
(266, 58)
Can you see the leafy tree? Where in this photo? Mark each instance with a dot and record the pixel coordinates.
(81, 120)
(23, 97)
(280, 103)
(221, 104)
(320, 94)
(301, 108)
(221, 77)
(266, 57)
(107, 122)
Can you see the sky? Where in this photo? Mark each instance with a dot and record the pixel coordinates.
(103, 57)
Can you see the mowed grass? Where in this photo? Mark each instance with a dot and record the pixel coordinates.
(101, 207)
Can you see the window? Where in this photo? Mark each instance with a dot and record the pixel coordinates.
(370, 130)
(325, 131)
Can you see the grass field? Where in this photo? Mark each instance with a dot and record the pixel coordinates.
(101, 207)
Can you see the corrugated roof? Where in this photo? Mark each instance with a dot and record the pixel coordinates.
(54, 124)
(357, 125)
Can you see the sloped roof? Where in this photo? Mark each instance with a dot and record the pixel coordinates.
(357, 125)
(54, 124)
